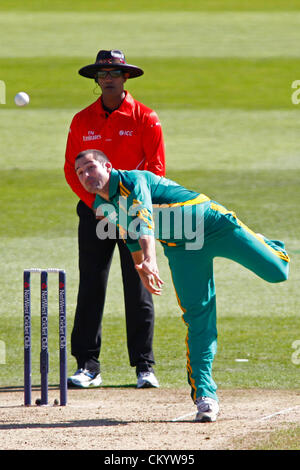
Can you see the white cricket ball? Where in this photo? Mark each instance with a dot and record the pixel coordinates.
(22, 99)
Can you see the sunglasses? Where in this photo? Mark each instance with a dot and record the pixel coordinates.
(112, 73)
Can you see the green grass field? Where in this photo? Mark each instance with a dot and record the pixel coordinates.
(219, 74)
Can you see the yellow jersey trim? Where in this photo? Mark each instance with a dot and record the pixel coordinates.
(198, 200)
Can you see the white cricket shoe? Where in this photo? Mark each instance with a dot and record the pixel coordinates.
(83, 378)
(208, 409)
(147, 380)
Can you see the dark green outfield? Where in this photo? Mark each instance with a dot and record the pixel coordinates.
(154, 5)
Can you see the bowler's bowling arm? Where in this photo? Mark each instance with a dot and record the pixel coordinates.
(146, 264)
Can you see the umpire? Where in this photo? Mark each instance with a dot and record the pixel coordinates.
(130, 134)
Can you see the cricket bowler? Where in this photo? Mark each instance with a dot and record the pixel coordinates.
(199, 230)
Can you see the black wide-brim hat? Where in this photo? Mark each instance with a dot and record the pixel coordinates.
(114, 59)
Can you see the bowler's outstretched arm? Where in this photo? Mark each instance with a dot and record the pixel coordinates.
(146, 265)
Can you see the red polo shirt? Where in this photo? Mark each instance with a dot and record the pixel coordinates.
(131, 137)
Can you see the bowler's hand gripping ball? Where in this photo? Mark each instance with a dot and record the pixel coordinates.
(22, 99)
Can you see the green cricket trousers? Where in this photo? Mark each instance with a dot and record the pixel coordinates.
(192, 273)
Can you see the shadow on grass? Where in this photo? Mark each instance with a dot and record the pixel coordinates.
(36, 388)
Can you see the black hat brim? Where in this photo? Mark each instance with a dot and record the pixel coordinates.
(89, 71)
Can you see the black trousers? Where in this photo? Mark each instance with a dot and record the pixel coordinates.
(95, 257)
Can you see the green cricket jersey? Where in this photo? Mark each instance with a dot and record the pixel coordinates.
(142, 203)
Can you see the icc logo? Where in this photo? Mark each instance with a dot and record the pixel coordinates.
(127, 133)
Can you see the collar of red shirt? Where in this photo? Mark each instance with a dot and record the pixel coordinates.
(125, 107)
